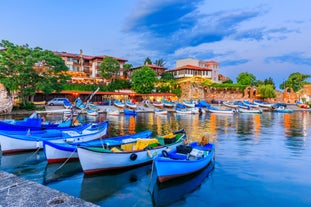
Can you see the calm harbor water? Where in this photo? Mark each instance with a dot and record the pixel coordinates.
(261, 160)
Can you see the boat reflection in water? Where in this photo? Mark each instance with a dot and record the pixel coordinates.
(56, 171)
(100, 187)
(172, 191)
(20, 161)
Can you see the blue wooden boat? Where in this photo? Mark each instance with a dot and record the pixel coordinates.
(79, 103)
(168, 104)
(131, 105)
(62, 151)
(36, 122)
(183, 160)
(250, 104)
(189, 104)
(118, 103)
(180, 106)
(203, 104)
(12, 142)
(263, 104)
(283, 110)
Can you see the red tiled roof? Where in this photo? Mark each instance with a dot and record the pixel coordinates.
(89, 57)
(191, 67)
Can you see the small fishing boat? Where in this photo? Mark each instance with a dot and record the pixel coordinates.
(250, 104)
(283, 110)
(203, 104)
(189, 104)
(168, 104)
(118, 104)
(34, 122)
(125, 156)
(183, 160)
(146, 103)
(233, 105)
(65, 151)
(79, 104)
(221, 111)
(160, 111)
(302, 105)
(113, 112)
(263, 104)
(130, 105)
(180, 106)
(158, 104)
(250, 111)
(19, 141)
(91, 112)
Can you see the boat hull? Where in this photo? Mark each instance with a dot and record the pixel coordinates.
(168, 169)
(30, 142)
(102, 161)
(60, 152)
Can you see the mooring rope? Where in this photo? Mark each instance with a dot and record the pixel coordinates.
(72, 153)
(151, 176)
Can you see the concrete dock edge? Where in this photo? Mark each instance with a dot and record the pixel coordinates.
(16, 192)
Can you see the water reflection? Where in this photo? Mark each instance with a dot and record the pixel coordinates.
(54, 172)
(19, 160)
(170, 192)
(266, 155)
(100, 187)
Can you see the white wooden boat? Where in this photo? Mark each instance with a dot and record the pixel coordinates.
(230, 105)
(33, 140)
(221, 111)
(96, 159)
(263, 104)
(63, 151)
(157, 104)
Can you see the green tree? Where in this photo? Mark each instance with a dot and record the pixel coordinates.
(227, 81)
(160, 62)
(118, 84)
(109, 68)
(143, 80)
(296, 81)
(267, 91)
(126, 69)
(148, 61)
(167, 76)
(18, 73)
(246, 79)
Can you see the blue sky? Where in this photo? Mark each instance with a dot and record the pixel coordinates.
(268, 38)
